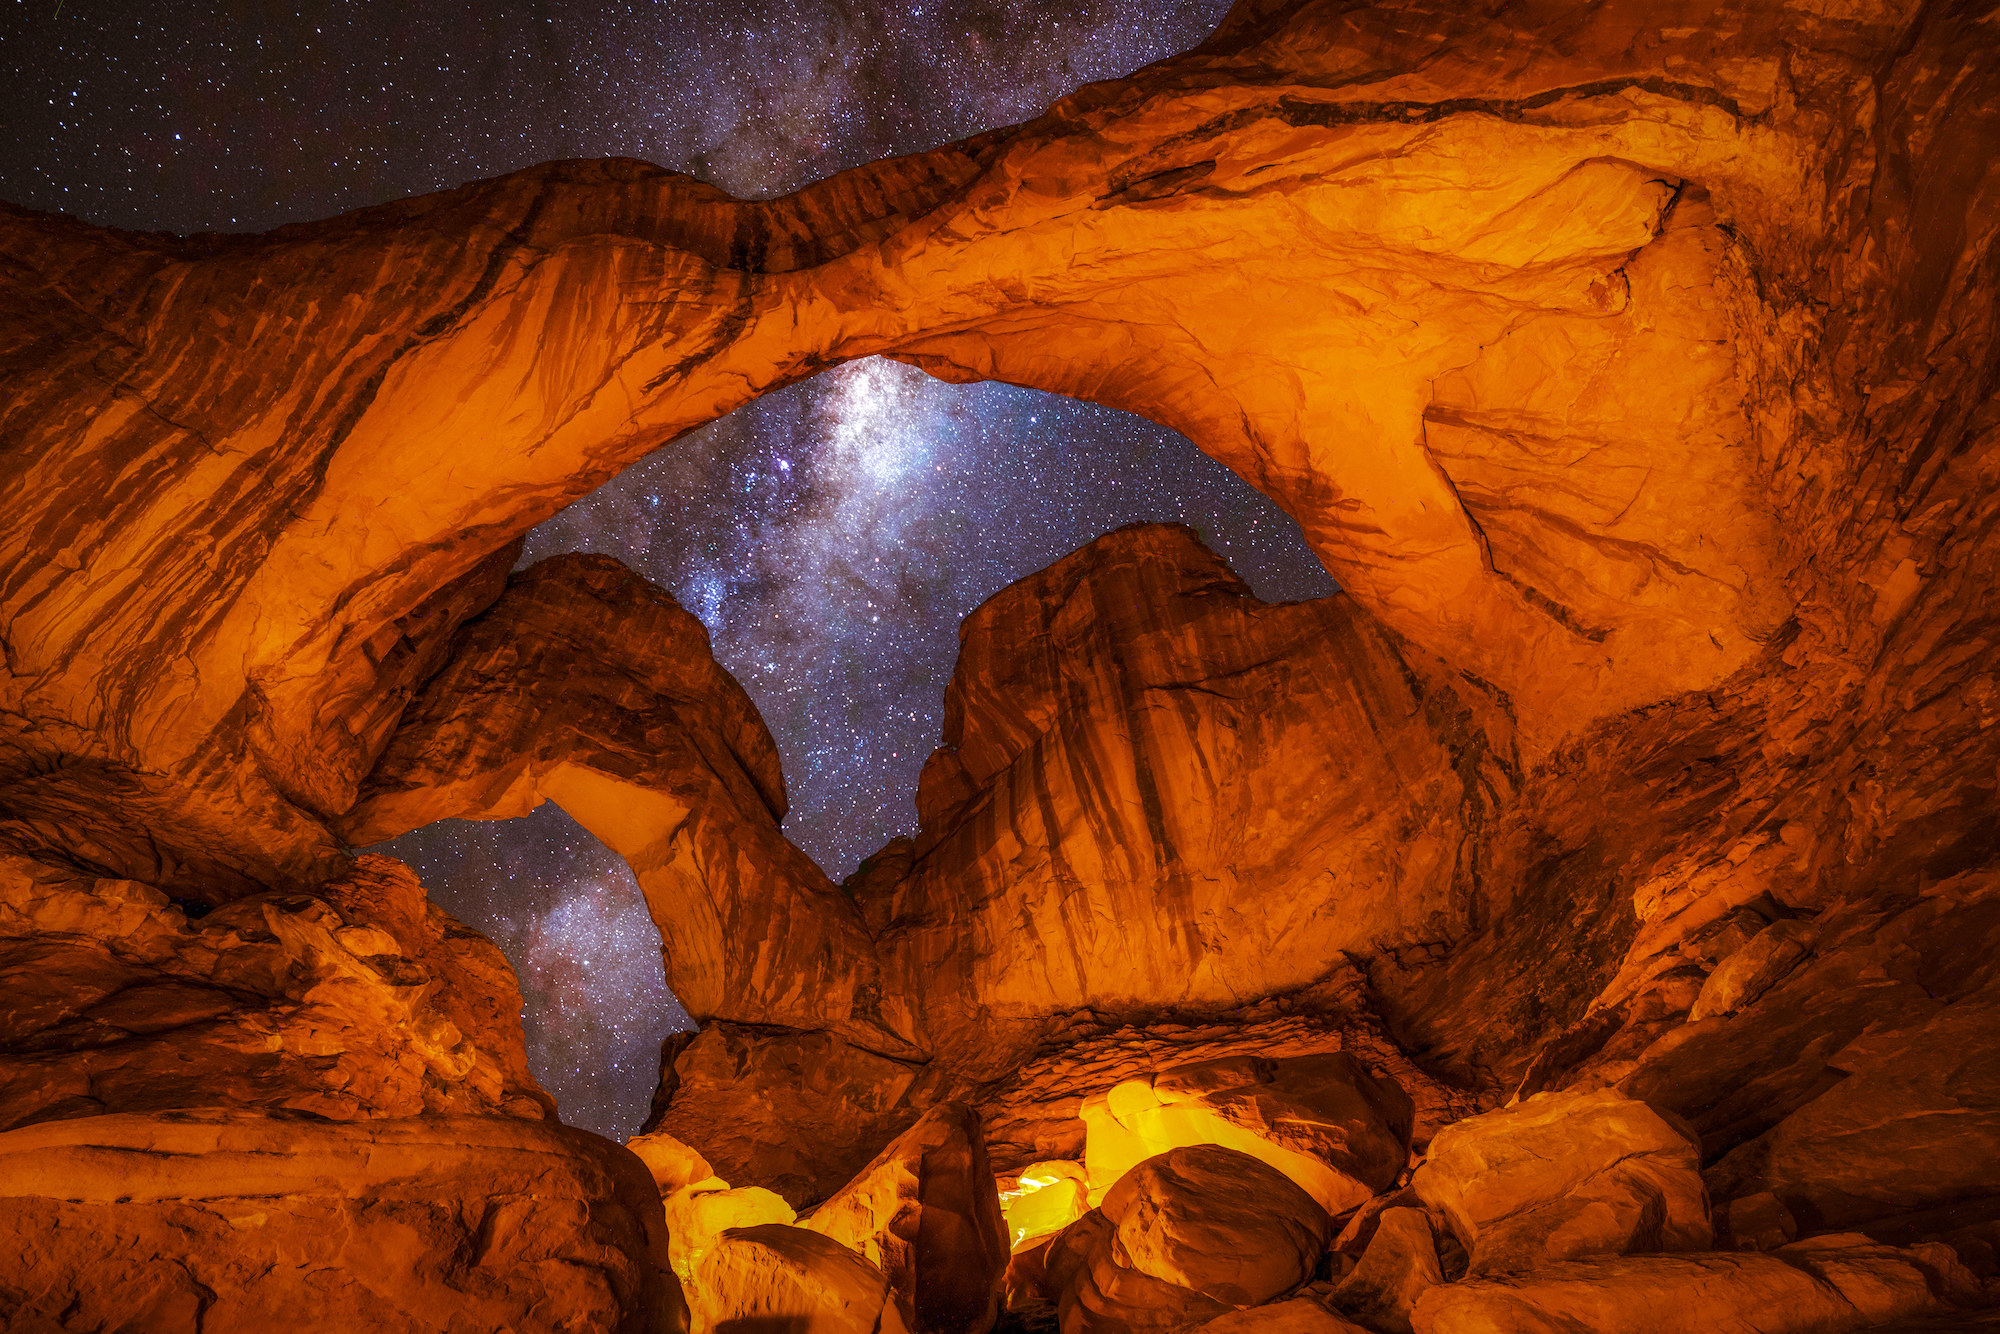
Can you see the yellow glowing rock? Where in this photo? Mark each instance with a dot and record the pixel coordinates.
(1339, 1132)
(1043, 1200)
(674, 1165)
(699, 1214)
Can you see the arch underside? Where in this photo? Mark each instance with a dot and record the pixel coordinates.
(1604, 375)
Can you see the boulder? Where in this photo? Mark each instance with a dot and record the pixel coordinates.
(1563, 1175)
(1218, 1221)
(698, 1215)
(927, 1214)
(1913, 1126)
(181, 1222)
(1832, 1284)
(1300, 1315)
(1190, 1233)
(775, 1277)
(1339, 1131)
(1399, 1265)
(1043, 1199)
(1095, 1293)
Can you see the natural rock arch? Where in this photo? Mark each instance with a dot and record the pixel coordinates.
(1229, 243)
(1633, 373)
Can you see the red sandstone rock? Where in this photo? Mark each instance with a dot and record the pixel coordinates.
(1205, 1218)
(1398, 1266)
(1132, 726)
(1095, 1294)
(358, 1000)
(1914, 1126)
(925, 1212)
(1326, 1122)
(1566, 1175)
(1301, 1315)
(1631, 371)
(790, 1278)
(587, 685)
(239, 1221)
(1035, 1111)
(1835, 1284)
(698, 1215)
(797, 1112)
(1190, 1233)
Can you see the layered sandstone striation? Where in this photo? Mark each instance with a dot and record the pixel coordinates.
(1156, 791)
(238, 540)
(231, 1220)
(359, 1000)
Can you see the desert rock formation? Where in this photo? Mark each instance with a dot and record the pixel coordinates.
(1632, 368)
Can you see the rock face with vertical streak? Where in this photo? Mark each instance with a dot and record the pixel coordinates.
(1156, 790)
(926, 1213)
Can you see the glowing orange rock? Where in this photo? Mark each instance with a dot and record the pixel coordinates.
(1191, 1233)
(1832, 1284)
(673, 1164)
(790, 1278)
(361, 999)
(251, 1221)
(1564, 1175)
(926, 1214)
(1326, 1122)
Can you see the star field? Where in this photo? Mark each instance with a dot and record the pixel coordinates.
(831, 535)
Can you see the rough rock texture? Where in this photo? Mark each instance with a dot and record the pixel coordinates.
(1564, 1175)
(1914, 1127)
(926, 1213)
(359, 1000)
(1095, 1293)
(586, 685)
(698, 1215)
(1839, 1284)
(1398, 1266)
(1301, 1315)
(241, 1222)
(1035, 1111)
(1632, 367)
(1193, 1231)
(775, 1277)
(798, 1111)
(1156, 790)
(1326, 1122)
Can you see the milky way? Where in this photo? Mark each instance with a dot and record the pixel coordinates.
(831, 535)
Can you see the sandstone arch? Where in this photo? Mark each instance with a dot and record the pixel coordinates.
(1634, 370)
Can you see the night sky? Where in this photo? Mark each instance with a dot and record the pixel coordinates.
(830, 535)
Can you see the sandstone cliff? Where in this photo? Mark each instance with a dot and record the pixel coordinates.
(1632, 368)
